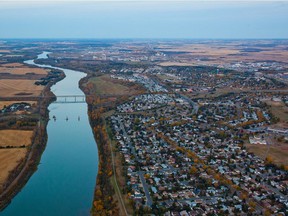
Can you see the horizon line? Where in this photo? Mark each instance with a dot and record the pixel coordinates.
(148, 38)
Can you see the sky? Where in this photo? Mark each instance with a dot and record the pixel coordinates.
(189, 19)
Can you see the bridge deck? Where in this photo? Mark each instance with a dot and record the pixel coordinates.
(59, 99)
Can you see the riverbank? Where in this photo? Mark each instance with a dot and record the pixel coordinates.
(109, 198)
(21, 174)
(103, 202)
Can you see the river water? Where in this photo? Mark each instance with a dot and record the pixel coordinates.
(66, 176)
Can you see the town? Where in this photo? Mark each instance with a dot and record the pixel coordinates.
(187, 159)
(178, 132)
(144, 108)
(192, 137)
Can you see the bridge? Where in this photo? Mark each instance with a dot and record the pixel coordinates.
(59, 98)
(70, 99)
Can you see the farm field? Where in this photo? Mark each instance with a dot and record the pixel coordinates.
(9, 159)
(219, 53)
(20, 69)
(18, 87)
(15, 138)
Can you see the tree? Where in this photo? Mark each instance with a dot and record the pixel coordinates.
(269, 160)
(146, 176)
(267, 212)
(252, 205)
(193, 170)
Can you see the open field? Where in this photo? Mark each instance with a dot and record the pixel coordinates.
(106, 85)
(9, 88)
(15, 138)
(166, 77)
(202, 49)
(278, 109)
(9, 159)
(278, 152)
(221, 52)
(13, 65)
(176, 64)
(280, 112)
(20, 69)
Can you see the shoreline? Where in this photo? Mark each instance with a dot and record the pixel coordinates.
(38, 144)
(103, 189)
(108, 198)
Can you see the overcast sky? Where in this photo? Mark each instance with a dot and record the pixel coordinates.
(143, 19)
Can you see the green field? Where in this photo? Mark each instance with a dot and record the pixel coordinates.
(106, 85)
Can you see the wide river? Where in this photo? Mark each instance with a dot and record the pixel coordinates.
(66, 176)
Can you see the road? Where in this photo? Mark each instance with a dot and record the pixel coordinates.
(145, 187)
(140, 173)
(115, 179)
(264, 184)
(192, 103)
(127, 138)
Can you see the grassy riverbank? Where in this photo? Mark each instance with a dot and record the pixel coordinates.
(108, 197)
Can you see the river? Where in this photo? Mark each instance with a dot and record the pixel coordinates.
(66, 176)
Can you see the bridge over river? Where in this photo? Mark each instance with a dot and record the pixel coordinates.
(70, 99)
(59, 98)
(65, 98)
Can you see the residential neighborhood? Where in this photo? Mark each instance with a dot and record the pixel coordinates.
(181, 162)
